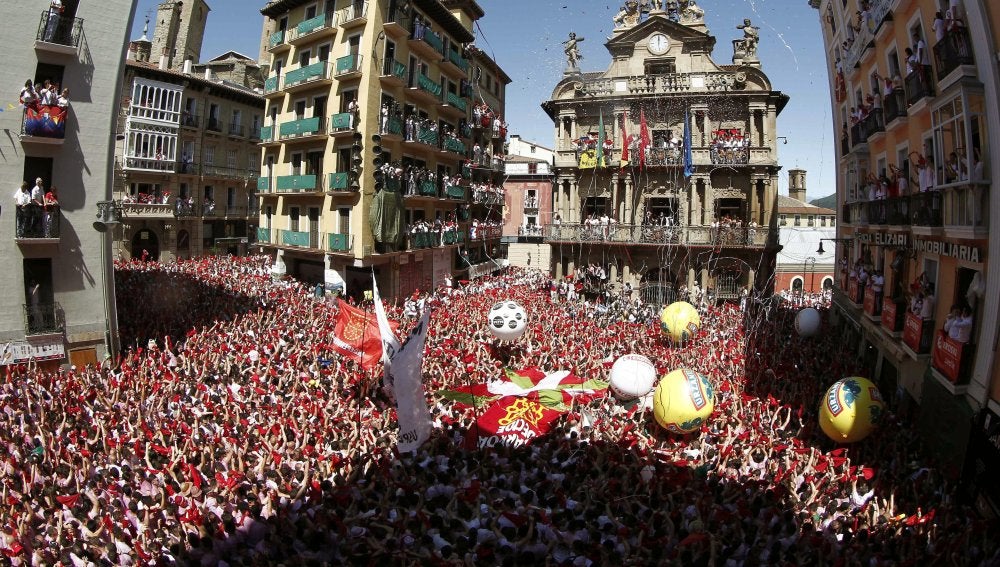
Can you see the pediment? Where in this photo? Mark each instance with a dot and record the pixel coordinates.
(623, 42)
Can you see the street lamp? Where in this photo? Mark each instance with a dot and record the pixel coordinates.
(109, 215)
(811, 260)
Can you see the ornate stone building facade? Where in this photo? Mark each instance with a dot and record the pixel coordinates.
(666, 166)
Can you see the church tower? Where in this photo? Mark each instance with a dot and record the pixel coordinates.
(180, 29)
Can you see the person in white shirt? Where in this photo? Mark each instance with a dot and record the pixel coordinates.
(939, 27)
(958, 325)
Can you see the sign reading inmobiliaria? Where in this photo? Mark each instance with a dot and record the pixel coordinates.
(523, 406)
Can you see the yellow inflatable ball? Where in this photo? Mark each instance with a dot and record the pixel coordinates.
(683, 400)
(679, 321)
(850, 410)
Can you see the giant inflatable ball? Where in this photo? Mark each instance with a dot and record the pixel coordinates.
(632, 376)
(679, 321)
(683, 400)
(850, 410)
(507, 320)
(807, 322)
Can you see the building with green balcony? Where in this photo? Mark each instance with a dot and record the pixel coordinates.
(339, 89)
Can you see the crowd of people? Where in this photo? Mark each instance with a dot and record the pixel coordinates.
(36, 211)
(230, 431)
(730, 146)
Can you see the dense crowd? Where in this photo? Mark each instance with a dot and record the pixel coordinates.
(230, 433)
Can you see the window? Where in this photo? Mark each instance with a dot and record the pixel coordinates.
(209, 155)
(231, 198)
(344, 220)
(268, 212)
(209, 193)
(797, 285)
(958, 130)
(798, 220)
(293, 219)
(782, 220)
(660, 67)
(296, 164)
(811, 220)
(827, 283)
(231, 159)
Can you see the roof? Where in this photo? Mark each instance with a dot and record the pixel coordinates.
(228, 88)
(792, 206)
(231, 55)
(530, 143)
(470, 7)
(433, 8)
(482, 57)
(524, 159)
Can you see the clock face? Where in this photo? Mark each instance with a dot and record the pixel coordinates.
(658, 44)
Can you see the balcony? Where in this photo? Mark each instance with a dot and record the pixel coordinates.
(954, 51)
(297, 239)
(237, 130)
(255, 132)
(277, 43)
(966, 210)
(426, 91)
(873, 124)
(44, 124)
(271, 85)
(880, 11)
(426, 135)
(338, 242)
(658, 235)
(35, 227)
(894, 212)
(951, 359)
(395, 20)
(926, 209)
(426, 43)
(494, 197)
(354, 15)
(342, 123)
(263, 235)
(302, 129)
(454, 101)
(183, 208)
(339, 182)
(393, 127)
(427, 189)
(718, 155)
(223, 172)
(264, 184)
(486, 232)
(393, 73)
(58, 34)
(917, 87)
(349, 66)
(313, 29)
(149, 164)
(454, 64)
(456, 192)
(895, 106)
(43, 319)
(267, 135)
(845, 146)
(858, 136)
(296, 184)
(453, 145)
(214, 124)
(307, 77)
(190, 120)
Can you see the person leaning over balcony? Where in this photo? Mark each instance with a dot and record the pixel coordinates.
(22, 198)
(958, 324)
(29, 97)
(939, 26)
(923, 58)
(62, 101)
(50, 214)
(52, 22)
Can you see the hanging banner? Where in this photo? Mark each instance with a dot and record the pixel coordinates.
(412, 411)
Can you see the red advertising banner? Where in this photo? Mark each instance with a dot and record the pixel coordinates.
(852, 290)
(889, 315)
(511, 421)
(912, 329)
(947, 357)
(869, 301)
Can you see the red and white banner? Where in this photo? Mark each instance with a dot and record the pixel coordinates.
(947, 356)
(912, 331)
(356, 335)
(511, 421)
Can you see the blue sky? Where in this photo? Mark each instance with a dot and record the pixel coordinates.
(524, 36)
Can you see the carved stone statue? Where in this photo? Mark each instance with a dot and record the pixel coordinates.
(628, 16)
(692, 13)
(746, 48)
(572, 51)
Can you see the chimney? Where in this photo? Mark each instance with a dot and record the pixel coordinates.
(188, 64)
(208, 73)
(797, 184)
(132, 50)
(164, 62)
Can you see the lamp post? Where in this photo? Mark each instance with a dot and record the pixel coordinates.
(811, 260)
(109, 215)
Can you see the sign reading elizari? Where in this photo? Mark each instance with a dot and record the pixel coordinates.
(881, 238)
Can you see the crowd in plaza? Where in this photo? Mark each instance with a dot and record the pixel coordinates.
(229, 432)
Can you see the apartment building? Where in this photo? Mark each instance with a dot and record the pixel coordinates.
(382, 122)
(60, 308)
(914, 85)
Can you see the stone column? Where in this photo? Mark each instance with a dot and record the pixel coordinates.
(704, 279)
(709, 200)
(691, 277)
(627, 217)
(696, 210)
(574, 200)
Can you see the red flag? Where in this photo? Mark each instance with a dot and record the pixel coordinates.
(644, 139)
(624, 160)
(356, 335)
(68, 501)
(511, 421)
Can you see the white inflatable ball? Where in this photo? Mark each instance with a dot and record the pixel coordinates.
(632, 376)
(507, 320)
(807, 322)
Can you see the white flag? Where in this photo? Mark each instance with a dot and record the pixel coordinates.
(411, 404)
(390, 344)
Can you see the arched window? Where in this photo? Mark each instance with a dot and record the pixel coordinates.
(827, 283)
(797, 284)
